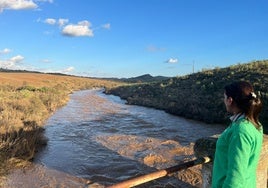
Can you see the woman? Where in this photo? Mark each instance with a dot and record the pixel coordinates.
(238, 148)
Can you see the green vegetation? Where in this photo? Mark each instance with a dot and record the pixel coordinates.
(26, 101)
(199, 96)
(140, 79)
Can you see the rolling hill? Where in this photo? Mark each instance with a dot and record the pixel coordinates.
(198, 96)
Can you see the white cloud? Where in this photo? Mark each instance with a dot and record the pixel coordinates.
(172, 60)
(5, 51)
(12, 63)
(50, 1)
(106, 26)
(68, 70)
(80, 29)
(46, 61)
(16, 63)
(63, 71)
(17, 4)
(152, 48)
(17, 59)
(61, 22)
(51, 21)
(20, 4)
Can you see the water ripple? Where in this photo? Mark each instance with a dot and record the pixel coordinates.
(99, 138)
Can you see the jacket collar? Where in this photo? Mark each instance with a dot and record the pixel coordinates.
(236, 117)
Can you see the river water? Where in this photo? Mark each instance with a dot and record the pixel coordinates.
(97, 140)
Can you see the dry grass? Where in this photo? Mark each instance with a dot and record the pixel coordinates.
(50, 80)
(33, 97)
(27, 100)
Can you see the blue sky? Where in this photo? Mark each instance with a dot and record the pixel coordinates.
(128, 38)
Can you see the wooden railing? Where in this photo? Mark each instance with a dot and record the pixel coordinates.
(206, 147)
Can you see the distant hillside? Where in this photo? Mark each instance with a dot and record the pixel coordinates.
(198, 96)
(145, 78)
(141, 79)
(18, 71)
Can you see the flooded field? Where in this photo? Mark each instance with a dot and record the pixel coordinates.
(96, 140)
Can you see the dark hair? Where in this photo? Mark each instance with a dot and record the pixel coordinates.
(246, 100)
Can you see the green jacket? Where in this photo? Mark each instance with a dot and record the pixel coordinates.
(237, 155)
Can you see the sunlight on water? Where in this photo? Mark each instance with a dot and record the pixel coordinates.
(97, 140)
(150, 151)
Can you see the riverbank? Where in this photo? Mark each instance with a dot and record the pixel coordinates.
(27, 100)
(99, 138)
(25, 174)
(199, 96)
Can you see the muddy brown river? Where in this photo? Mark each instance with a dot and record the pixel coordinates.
(97, 140)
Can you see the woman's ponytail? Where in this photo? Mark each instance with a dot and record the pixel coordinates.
(246, 100)
(254, 111)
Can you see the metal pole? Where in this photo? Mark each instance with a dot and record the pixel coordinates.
(160, 173)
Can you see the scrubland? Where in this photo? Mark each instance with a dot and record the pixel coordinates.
(26, 101)
(199, 96)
